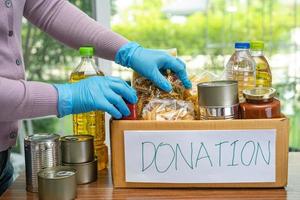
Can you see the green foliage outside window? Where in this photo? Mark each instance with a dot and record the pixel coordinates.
(215, 30)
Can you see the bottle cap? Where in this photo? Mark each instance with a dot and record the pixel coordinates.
(242, 45)
(86, 51)
(257, 45)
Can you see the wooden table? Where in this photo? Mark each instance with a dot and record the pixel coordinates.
(103, 189)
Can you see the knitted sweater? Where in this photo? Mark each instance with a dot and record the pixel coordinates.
(21, 99)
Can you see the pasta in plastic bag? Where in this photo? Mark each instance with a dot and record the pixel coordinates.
(168, 106)
(168, 109)
(146, 90)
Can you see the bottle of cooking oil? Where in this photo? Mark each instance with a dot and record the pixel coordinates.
(241, 67)
(263, 71)
(92, 123)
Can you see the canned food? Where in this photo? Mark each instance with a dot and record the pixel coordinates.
(57, 183)
(218, 100)
(86, 172)
(41, 151)
(77, 148)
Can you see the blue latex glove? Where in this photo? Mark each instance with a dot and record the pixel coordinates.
(149, 63)
(95, 93)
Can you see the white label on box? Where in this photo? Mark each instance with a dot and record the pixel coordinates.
(200, 156)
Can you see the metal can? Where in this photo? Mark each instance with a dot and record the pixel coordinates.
(218, 100)
(86, 172)
(41, 151)
(77, 148)
(57, 183)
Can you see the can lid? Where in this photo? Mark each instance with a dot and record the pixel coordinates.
(218, 93)
(41, 137)
(76, 138)
(260, 93)
(59, 172)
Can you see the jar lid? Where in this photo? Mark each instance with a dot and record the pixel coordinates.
(260, 93)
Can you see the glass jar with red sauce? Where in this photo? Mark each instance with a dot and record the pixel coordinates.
(260, 104)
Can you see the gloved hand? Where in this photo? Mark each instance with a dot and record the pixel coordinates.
(149, 63)
(95, 93)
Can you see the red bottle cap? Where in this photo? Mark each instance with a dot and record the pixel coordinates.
(133, 112)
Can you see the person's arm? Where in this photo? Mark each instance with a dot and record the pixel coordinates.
(68, 24)
(26, 99)
(21, 99)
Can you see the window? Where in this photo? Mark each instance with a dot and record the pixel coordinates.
(204, 32)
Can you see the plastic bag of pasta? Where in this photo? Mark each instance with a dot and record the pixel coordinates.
(146, 90)
(168, 109)
(145, 86)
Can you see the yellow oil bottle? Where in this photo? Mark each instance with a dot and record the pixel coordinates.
(92, 123)
(263, 71)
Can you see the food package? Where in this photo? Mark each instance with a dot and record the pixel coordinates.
(145, 86)
(146, 90)
(168, 109)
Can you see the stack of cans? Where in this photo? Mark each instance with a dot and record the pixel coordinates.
(41, 151)
(78, 153)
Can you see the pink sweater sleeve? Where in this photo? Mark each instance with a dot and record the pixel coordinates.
(68, 24)
(26, 99)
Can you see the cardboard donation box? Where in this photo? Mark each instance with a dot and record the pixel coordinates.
(214, 153)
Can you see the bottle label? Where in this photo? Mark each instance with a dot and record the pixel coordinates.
(263, 79)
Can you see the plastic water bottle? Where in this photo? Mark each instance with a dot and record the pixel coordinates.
(241, 67)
